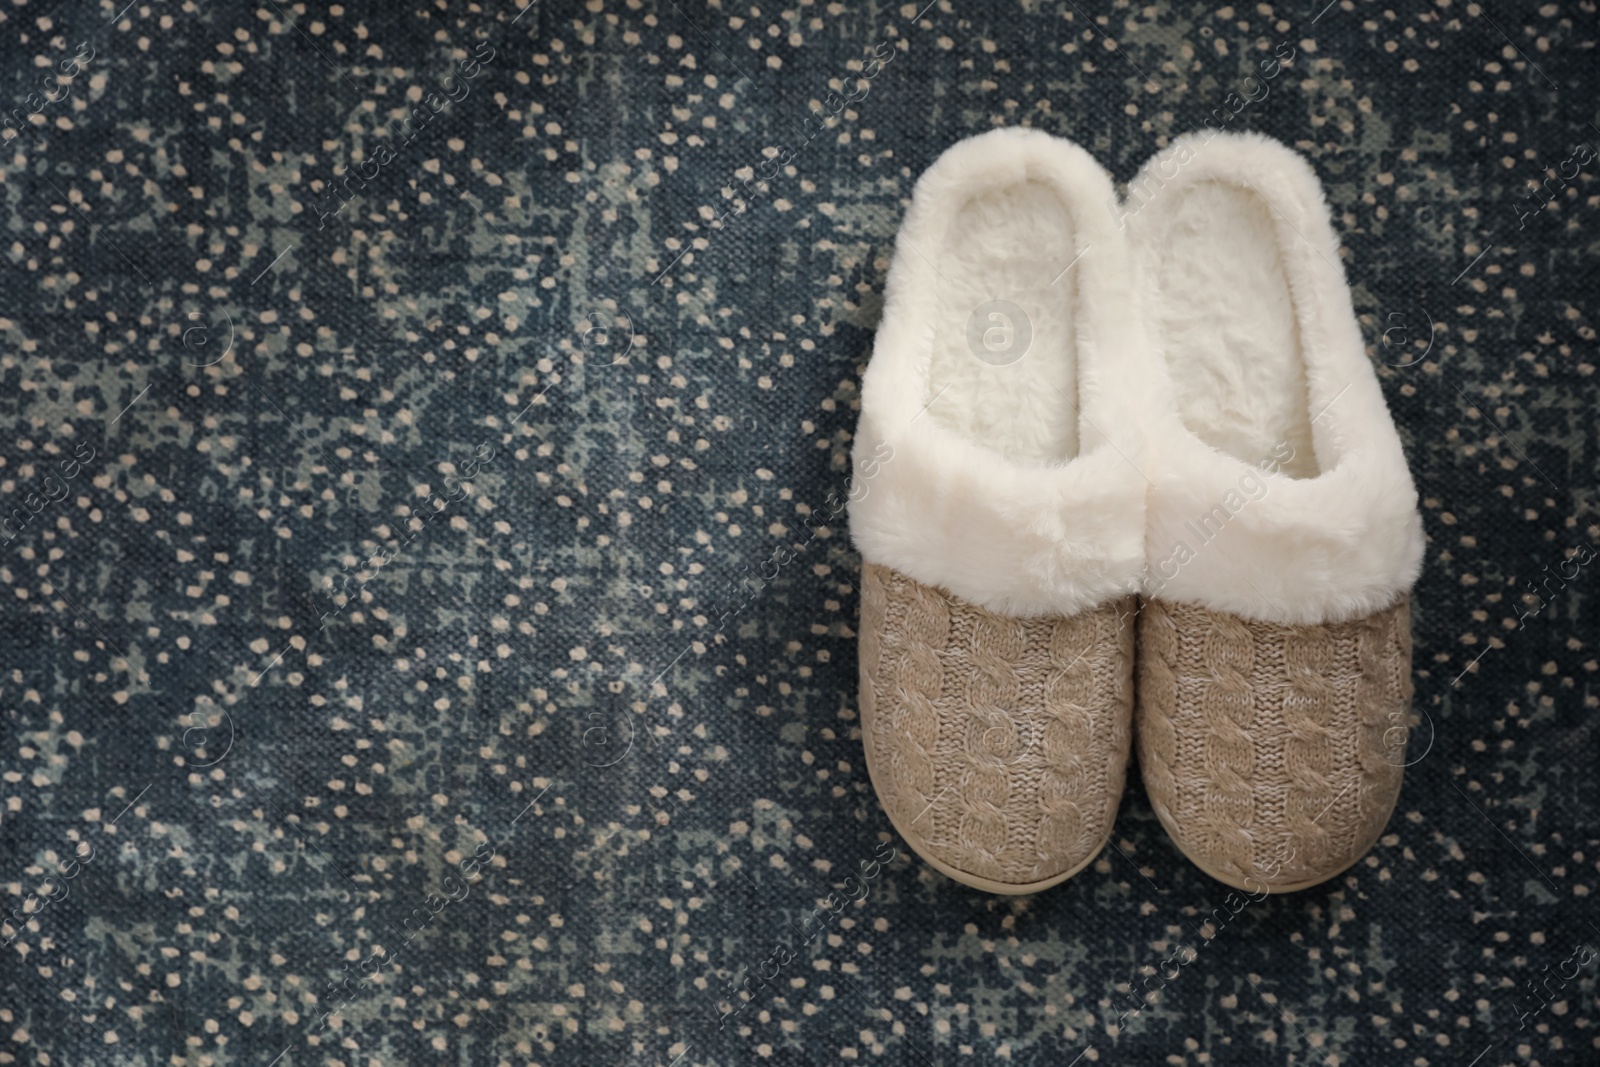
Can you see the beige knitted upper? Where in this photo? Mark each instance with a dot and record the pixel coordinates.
(997, 745)
(1272, 754)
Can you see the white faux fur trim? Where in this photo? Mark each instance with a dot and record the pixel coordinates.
(1223, 532)
(1016, 535)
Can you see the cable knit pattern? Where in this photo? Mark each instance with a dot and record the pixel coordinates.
(1272, 754)
(997, 745)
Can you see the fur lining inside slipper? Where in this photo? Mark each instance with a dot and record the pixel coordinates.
(998, 454)
(1281, 492)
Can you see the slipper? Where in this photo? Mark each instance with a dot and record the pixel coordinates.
(1000, 528)
(1283, 535)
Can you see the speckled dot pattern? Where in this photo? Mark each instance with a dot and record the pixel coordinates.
(429, 619)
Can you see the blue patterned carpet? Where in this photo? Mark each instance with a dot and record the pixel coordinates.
(395, 398)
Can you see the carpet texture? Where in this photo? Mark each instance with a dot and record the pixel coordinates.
(430, 624)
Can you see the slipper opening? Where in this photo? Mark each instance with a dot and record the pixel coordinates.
(1230, 329)
(1004, 367)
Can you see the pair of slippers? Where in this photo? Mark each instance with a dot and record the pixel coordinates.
(1131, 475)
